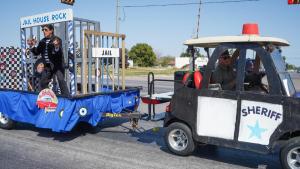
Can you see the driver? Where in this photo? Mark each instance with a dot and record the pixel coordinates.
(224, 73)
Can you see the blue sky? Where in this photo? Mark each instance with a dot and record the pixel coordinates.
(165, 28)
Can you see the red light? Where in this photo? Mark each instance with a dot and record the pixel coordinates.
(290, 2)
(250, 29)
(68, 2)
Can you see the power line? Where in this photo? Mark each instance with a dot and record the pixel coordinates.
(186, 4)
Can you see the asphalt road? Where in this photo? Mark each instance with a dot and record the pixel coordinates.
(115, 145)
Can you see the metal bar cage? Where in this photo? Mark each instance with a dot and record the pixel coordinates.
(85, 74)
(102, 74)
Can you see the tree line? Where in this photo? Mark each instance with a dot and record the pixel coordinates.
(143, 55)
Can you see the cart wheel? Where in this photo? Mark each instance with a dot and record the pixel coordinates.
(179, 139)
(5, 122)
(290, 154)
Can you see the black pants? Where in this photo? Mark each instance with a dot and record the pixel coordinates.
(46, 77)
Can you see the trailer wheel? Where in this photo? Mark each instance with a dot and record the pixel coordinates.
(290, 154)
(179, 140)
(5, 122)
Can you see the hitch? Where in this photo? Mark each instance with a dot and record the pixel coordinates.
(133, 116)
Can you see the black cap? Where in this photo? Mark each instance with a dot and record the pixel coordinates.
(225, 53)
(49, 26)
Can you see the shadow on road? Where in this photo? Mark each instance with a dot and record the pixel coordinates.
(81, 129)
(235, 157)
(238, 157)
(154, 136)
(211, 152)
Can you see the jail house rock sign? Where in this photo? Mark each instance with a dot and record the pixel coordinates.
(47, 18)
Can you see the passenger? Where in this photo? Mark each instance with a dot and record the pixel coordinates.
(50, 48)
(224, 73)
(254, 77)
(249, 70)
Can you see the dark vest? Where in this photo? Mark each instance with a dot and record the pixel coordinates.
(56, 57)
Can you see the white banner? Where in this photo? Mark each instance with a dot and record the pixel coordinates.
(216, 117)
(105, 52)
(258, 121)
(47, 18)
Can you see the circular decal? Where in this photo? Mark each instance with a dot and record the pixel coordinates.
(47, 100)
(3, 56)
(82, 112)
(61, 113)
(2, 66)
(13, 73)
(12, 51)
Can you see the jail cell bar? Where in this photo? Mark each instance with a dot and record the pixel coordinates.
(82, 25)
(104, 40)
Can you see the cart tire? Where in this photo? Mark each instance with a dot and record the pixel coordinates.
(179, 140)
(5, 122)
(290, 154)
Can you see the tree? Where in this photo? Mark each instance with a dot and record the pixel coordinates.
(166, 60)
(289, 66)
(142, 54)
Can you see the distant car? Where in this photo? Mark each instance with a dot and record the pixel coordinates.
(254, 118)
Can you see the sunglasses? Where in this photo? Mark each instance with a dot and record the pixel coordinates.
(46, 30)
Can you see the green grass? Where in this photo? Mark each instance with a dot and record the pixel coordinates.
(139, 71)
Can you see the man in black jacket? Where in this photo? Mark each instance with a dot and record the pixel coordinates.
(50, 48)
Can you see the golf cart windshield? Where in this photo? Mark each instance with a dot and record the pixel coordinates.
(283, 74)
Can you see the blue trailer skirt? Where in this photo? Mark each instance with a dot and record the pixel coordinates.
(21, 106)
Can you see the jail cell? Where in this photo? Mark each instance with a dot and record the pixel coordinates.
(102, 74)
(71, 34)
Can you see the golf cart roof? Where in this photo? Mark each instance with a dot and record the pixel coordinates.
(214, 41)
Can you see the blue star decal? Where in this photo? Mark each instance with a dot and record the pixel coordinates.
(256, 130)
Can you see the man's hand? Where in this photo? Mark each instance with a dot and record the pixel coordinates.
(31, 42)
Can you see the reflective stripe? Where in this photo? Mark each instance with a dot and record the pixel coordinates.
(46, 55)
(23, 46)
(71, 62)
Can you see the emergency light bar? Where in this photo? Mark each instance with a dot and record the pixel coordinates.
(290, 2)
(68, 2)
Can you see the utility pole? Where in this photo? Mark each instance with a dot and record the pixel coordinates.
(198, 20)
(117, 16)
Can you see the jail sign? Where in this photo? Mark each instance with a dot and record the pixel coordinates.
(259, 120)
(106, 52)
(47, 18)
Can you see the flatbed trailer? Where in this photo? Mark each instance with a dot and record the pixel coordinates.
(20, 106)
(96, 81)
